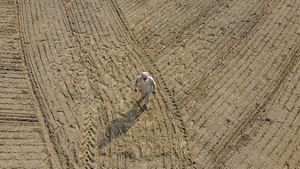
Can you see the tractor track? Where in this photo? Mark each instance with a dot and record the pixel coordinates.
(153, 69)
(227, 73)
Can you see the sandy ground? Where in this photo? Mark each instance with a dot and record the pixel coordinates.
(228, 75)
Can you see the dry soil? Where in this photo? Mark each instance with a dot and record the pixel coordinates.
(228, 75)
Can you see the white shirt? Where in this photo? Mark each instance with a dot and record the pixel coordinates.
(145, 86)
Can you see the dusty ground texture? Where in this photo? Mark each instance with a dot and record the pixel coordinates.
(228, 74)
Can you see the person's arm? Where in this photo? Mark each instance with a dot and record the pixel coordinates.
(136, 84)
(154, 86)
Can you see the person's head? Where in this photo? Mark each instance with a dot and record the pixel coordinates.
(144, 75)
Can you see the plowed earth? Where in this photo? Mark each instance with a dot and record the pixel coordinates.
(228, 75)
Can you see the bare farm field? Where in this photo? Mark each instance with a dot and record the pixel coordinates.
(227, 74)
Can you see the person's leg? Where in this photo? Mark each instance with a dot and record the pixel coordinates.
(142, 97)
(147, 99)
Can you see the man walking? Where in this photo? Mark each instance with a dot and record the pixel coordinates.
(146, 85)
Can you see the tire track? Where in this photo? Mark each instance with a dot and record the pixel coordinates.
(195, 94)
(117, 31)
(281, 129)
(151, 68)
(212, 60)
(89, 141)
(154, 70)
(91, 44)
(90, 126)
(249, 119)
(246, 35)
(23, 138)
(58, 78)
(189, 15)
(76, 51)
(233, 76)
(245, 49)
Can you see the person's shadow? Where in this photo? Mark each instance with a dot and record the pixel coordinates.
(121, 125)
